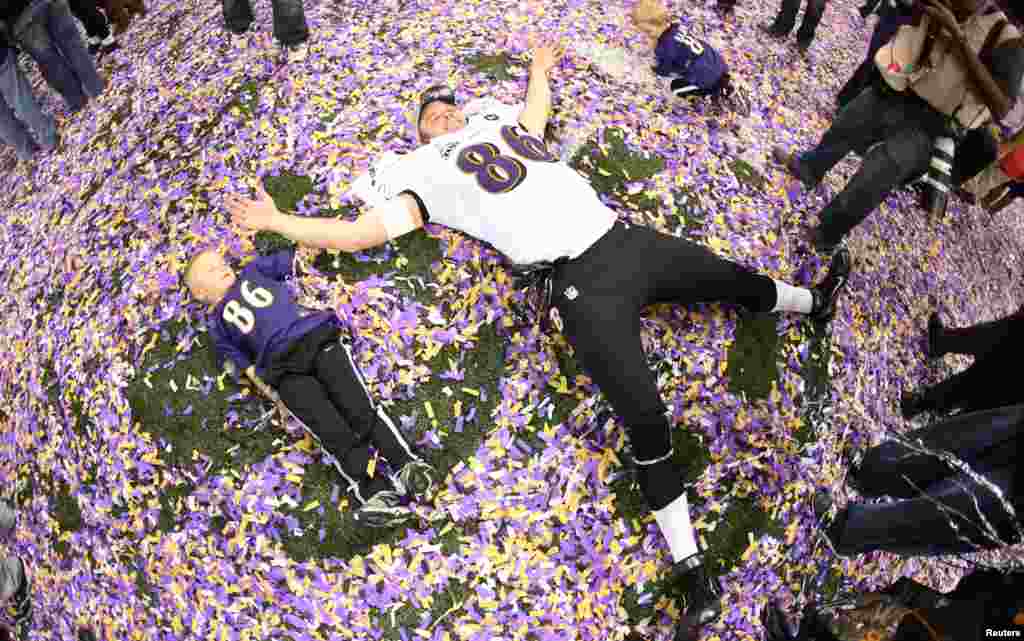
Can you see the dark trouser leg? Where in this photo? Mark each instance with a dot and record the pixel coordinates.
(858, 82)
(894, 469)
(901, 156)
(959, 390)
(289, 22)
(343, 383)
(946, 521)
(976, 151)
(96, 26)
(237, 15)
(64, 32)
(35, 39)
(307, 399)
(812, 16)
(786, 17)
(983, 339)
(19, 111)
(857, 126)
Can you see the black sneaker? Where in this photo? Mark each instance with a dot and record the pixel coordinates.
(827, 292)
(383, 509)
(935, 329)
(792, 164)
(803, 46)
(417, 478)
(703, 597)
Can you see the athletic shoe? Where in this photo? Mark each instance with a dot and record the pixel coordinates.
(383, 509)
(417, 478)
(803, 46)
(94, 45)
(827, 292)
(297, 53)
(935, 329)
(793, 166)
(703, 597)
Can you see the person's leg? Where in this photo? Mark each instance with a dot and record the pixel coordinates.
(34, 38)
(950, 519)
(978, 150)
(16, 594)
(289, 22)
(894, 469)
(812, 16)
(980, 340)
(786, 18)
(21, 102)
(64, 32)
(901, 156)
(12, 131)
(96, 25)
(237, 15)
(855, 127)
(306, 398)
(343, 383)
(604, 330)
(860, 80)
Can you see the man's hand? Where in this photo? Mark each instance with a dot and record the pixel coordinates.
(256, 214)
(941, 15)
(544, 58)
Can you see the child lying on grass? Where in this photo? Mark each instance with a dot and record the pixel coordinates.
(256, 325)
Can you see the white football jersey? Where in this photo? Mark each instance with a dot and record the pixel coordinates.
(495, 181)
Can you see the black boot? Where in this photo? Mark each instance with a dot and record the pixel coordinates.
(703, 597)
(831, 527)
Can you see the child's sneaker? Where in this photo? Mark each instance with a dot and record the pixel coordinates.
(383, 509)
(417, 478)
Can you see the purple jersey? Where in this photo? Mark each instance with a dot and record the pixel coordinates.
(258, 317)
(695, 62)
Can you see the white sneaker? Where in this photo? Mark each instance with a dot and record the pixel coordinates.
(297, 53)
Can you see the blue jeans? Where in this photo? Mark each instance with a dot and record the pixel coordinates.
(19, 111)
(289, 19)
(914, 524)
(47, 32)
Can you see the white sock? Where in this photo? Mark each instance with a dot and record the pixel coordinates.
(674, 521)
(792, 299)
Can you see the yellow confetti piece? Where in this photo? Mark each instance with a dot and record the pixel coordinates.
(371, 467)
(430, 409)
(311, 506)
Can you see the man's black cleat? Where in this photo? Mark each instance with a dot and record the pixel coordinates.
(703, 597)
(827, 292)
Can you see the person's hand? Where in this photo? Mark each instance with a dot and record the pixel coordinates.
(256, 214)
(544, 58)
(941, 14)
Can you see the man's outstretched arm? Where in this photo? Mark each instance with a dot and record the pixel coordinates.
(396, 217)
(538, 92)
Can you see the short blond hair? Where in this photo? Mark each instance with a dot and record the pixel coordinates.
(651, 12)
(188, 275)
